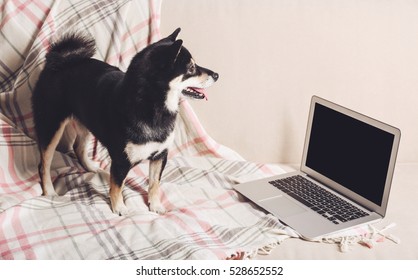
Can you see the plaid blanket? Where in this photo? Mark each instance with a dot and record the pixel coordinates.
(206, 219)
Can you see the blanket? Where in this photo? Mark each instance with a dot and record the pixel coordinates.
(206, 218)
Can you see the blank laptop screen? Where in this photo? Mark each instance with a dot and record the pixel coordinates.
(350, 152)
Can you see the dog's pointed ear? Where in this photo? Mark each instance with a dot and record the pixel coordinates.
(176, 48)
(170, 38)
(174, 35)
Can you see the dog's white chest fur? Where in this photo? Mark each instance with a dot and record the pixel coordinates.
(173, 95)
(138, 152)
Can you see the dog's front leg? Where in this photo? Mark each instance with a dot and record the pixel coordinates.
(118, 174)
(156, 167)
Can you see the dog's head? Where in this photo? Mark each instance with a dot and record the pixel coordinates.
(168, 61)
(188, 77)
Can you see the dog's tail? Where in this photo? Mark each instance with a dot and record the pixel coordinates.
(71, 47)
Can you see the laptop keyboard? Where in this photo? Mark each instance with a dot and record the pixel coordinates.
(318, 199)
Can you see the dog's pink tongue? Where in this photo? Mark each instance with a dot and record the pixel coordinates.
(201, 91)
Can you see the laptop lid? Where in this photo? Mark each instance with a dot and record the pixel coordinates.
(351, 153)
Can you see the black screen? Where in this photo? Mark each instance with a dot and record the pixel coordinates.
(350, 152)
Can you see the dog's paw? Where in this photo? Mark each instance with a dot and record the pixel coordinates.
(157, 207)
(120, 209)
(49, 191)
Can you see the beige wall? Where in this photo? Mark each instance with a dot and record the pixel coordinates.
(273, 55)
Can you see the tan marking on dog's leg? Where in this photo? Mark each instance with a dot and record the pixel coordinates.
(154, 187)
(46, 160)
(116, 198)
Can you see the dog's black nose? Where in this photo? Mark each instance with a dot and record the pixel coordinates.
(215, 76)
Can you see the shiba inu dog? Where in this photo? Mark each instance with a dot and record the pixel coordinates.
(131, 113)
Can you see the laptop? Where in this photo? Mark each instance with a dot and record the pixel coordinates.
(345, 175)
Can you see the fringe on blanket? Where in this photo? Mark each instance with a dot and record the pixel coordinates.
(282, 235)
(370, 239)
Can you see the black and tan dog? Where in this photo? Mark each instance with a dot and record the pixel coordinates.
(132, 114)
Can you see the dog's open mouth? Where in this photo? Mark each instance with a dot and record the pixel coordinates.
(193, 92)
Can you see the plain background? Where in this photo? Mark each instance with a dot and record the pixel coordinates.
(273, 55)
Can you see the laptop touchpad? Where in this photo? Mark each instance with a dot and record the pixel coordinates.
(281, 207)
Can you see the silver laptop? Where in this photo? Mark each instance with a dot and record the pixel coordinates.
(344, 178)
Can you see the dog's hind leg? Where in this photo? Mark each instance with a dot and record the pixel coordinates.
(80, 147)
(156, 167)
(47, 148)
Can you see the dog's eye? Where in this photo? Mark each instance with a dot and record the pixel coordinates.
(192, 69)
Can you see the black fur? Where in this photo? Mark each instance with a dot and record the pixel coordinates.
(116, 107)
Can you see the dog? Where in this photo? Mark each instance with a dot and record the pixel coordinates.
(131, 113)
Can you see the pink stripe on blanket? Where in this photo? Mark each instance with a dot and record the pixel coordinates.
(4, 245)
(129, 53)
(192, 229)
(137, 28)
(204, 140)
(23, 184)
(266, 169)
(19, 231)
(208, 229)
(24, 8)
(212, 146)
(7, 135)
(192, 143)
